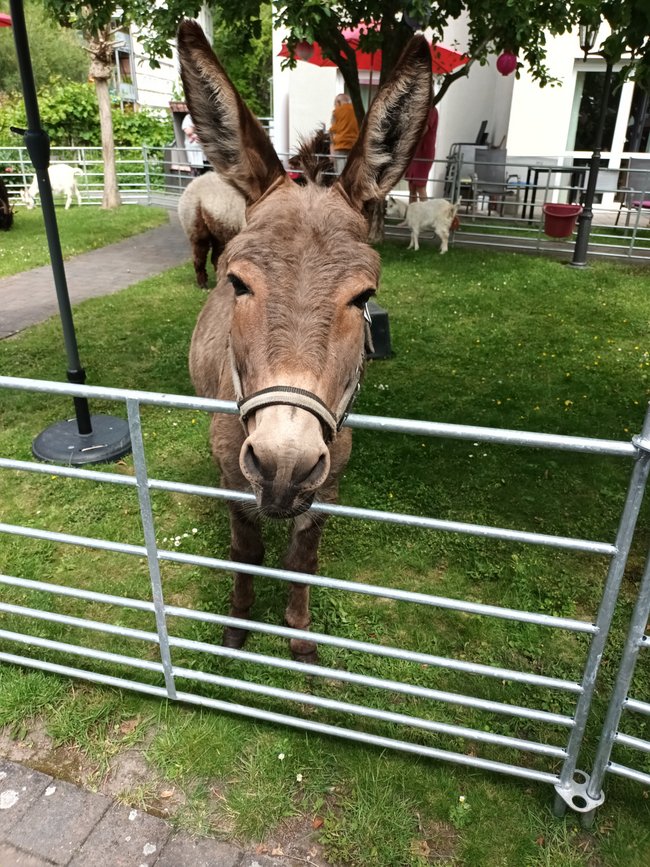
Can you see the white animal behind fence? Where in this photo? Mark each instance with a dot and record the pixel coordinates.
(436, 214)
(62, 180)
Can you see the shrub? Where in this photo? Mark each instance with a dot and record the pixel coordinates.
(70, 116)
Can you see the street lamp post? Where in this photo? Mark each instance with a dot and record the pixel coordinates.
(588, 34)
(86, 438)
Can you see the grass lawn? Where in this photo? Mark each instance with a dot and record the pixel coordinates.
(80, 229)
(479, 338)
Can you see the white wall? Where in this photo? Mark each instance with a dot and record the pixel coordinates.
(303, 98)
(540, 116)
(154, 85)
(311, 99)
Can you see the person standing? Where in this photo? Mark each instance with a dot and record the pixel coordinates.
(417, 174)
(344, 130)
(195, 155)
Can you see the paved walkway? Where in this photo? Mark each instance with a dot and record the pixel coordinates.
(30, 297)
(45, 822)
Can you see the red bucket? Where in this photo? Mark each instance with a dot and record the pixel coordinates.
(560, 220)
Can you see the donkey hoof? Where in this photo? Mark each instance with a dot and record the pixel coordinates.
(304, 651)
(234, 638)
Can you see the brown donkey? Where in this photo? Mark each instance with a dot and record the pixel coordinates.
(283, 332)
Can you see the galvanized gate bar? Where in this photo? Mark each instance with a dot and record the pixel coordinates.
(318, 637)
(146, 516)
(313, 580)
(258, 714)
(630, 773)
(638, 706)
(584, 445)
(571, 792)
(300, 667)
(290, 695)
(505, 534)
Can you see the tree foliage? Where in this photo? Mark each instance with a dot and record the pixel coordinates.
(493, 26)
(98, 22)
(245, 49)
(520, 26)
(56, 52)
(70, 116)
(629, 21)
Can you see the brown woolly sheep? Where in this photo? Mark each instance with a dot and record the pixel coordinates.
(211, 213)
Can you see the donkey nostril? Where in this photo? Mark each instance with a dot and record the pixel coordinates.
(251, 464)
(316, 475)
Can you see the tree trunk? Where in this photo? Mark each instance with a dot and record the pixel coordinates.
(100, 72)
(111, 197)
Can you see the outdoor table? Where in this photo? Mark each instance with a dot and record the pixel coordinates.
(576, 172)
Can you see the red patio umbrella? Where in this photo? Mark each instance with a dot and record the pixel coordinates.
(5, 20)
(443, 59)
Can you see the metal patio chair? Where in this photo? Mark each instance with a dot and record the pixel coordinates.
(637, 189)
(492, 180)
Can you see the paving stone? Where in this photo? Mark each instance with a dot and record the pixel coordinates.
(123, 838)
(58, 822)
(12, 857)
(185, 851)
(19, 788)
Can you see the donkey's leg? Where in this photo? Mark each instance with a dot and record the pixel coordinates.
(246, 546)
(302, 556)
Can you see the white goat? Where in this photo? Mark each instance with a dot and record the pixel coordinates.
(62, 180)
(436, 214)
(211, 213)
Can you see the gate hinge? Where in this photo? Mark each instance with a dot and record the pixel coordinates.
(575, 795)
(641, 443)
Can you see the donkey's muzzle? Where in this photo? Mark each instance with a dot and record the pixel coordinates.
(284, 478)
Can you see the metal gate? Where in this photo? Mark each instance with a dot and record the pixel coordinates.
(621, 701)
(572, 786)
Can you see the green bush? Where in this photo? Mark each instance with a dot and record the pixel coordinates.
(70, 116)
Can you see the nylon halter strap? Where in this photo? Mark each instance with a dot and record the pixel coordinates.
(289, 395)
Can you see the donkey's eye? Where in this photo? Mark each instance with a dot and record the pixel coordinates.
(362, 299)
(238, 285)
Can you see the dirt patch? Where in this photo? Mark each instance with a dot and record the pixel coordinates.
(36, 750)
(438, 844)
(296, 841)
(34, 745)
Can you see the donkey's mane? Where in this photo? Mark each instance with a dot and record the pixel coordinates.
(313, 160)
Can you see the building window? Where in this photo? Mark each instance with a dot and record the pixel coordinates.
(123, 85)
(587, 104)
(637, 133)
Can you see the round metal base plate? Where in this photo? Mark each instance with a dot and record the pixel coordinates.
(61, 443)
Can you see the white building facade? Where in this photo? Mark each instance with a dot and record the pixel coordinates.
(554, 125)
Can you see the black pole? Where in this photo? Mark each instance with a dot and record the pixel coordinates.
(38, 147)
(584, 223)
(84, 439)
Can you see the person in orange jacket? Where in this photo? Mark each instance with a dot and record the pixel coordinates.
(344, 130)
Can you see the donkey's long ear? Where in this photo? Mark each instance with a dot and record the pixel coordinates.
(232, 138)
(392, 128)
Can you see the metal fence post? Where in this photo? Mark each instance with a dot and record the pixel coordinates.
(135, 429)
(578, 794)
(147, 176)
(624, 677)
